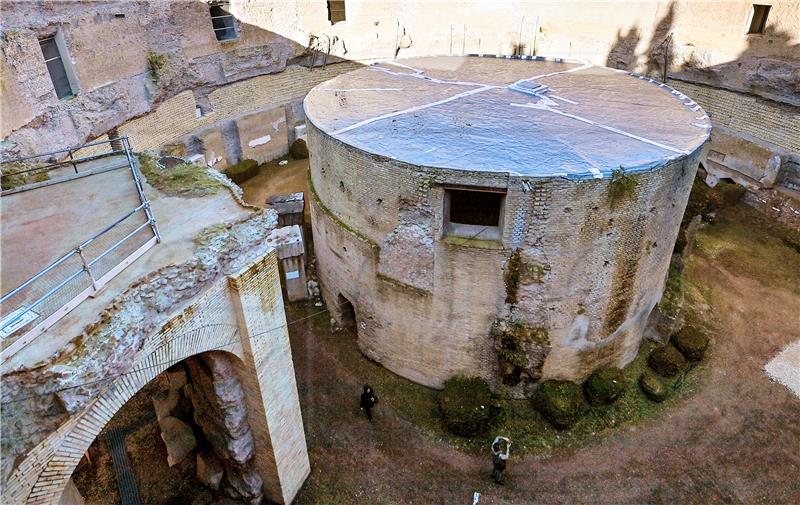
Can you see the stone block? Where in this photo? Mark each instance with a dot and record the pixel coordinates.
(164, 402)
(209, 469)
(214, 148)
(263, 135)
(178, 437)
(176, 376)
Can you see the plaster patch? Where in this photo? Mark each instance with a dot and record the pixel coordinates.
(785, 368)
(259, 141)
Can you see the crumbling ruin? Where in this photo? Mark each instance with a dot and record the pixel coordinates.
(536, 194)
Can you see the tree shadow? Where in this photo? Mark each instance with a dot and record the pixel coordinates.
(622, 54)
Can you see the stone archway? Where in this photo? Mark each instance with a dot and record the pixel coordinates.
(258, 336)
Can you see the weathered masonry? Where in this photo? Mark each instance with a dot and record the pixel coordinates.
(235, 306)
(508, 218)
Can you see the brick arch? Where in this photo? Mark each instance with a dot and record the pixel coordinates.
(248, 307)
(84, 428)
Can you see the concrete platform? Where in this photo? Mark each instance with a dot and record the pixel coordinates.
(179, 220)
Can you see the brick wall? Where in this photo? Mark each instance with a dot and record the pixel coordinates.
(175, 117)
(763, 119)
(244, 316)
(603, 267)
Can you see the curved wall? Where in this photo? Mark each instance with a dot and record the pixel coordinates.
(425, 304)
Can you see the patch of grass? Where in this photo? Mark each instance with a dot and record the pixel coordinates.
(156, 62)
(742, 240)
(621, 186)
(529, 431)
(672, 299)
(12, 178)
(186, 179)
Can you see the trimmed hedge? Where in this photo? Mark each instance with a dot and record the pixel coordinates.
(242, 171)
(666, 360)
(467, 406)
(604, 386)
(652, 386)
(691, 342)
(299, 149)
(560, 402)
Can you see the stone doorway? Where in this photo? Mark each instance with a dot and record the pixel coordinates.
(347, 312)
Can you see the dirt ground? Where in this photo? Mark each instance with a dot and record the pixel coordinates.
(735, 438)
(730, 436)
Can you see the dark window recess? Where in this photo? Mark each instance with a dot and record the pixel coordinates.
(222, 21)
(55, 66)
(475, 207)
(759, 20)
(336, 11)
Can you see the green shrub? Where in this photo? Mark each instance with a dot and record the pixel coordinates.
(467, 406)
(666, 360)
(691, 342)
(604, 386)
(242, 171)
(652, 386)
(560, 402)
(156, 62)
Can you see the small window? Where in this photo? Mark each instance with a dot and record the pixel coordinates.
(758, 18)
(474, 213)
(56, 68)
(336, 11)
(222, 21)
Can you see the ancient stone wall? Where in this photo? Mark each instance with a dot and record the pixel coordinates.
(111, 45)
(233, 292)
(592, 269)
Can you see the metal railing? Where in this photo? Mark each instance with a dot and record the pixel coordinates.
(64, 158)
(36, 304)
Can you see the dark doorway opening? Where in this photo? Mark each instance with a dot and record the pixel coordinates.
(347, 311)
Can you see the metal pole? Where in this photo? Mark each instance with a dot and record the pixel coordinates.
(87, 268)
(142, 198)
(72, 160)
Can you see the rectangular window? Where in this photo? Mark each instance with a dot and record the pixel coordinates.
(758, 18)
(56, 68)
(336, 11)
(474, 213)
(222, 21)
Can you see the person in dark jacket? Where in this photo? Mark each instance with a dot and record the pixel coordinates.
(368, 400)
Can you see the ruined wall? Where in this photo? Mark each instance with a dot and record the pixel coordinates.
(226, 298)
(110, 42)
(112, 47)
(425, 304)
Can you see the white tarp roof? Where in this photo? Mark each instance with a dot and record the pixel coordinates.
(534, 118)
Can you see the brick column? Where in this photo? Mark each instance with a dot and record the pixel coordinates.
(267, 376)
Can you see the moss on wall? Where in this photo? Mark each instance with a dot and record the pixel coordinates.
(156, 62)
(621, 186)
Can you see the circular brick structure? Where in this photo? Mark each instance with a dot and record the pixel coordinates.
(512, 219)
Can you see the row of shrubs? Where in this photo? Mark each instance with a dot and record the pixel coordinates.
(469, 408)
(670, 360)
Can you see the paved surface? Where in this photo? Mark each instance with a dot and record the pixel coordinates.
(179, 220)
(41, 225)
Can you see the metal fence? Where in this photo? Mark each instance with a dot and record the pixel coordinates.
(36, 304)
